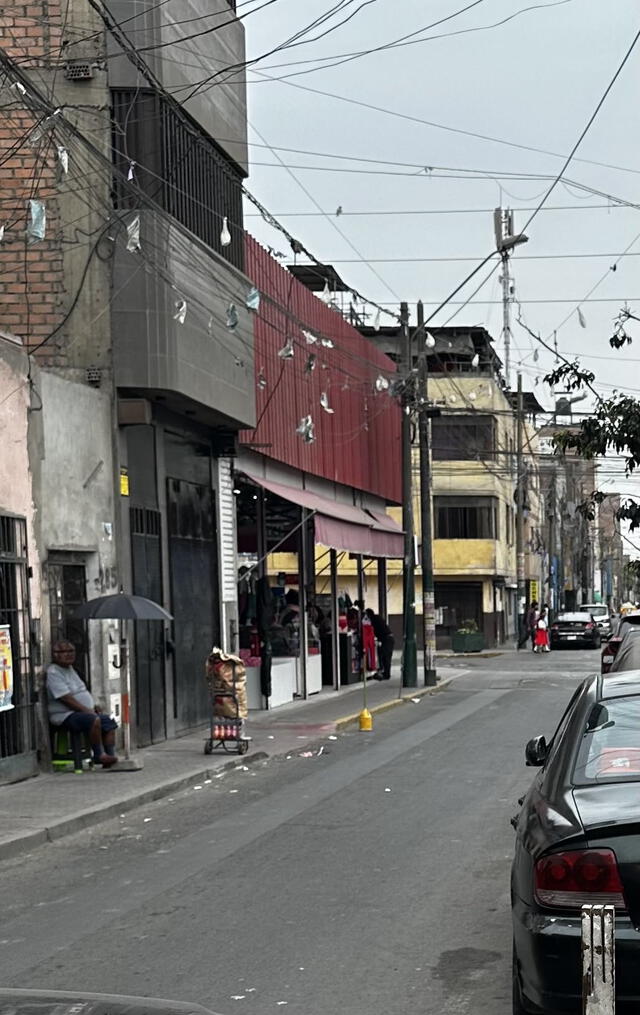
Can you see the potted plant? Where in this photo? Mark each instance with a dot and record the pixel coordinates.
(468, 638)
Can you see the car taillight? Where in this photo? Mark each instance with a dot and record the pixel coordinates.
(555, 627)
(589, 627)
(578, 877)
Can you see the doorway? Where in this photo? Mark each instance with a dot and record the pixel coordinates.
(67, 581)
(146, 560)
(194, 596)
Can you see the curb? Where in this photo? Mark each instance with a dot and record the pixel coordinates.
(470, 655)
(87, 819)
(350, 720)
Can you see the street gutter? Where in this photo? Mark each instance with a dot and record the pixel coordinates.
(421, 692)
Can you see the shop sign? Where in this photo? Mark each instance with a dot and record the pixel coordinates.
(124, 483)
(6, 669)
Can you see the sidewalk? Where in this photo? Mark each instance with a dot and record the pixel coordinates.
(51, 806)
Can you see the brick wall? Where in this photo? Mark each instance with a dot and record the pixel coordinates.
(31, 275)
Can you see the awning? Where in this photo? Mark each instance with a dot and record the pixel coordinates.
(342, 526)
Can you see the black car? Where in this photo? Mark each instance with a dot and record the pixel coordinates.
(578, 843)
(575, 630)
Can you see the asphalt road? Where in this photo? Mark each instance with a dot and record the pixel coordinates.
(373, 878)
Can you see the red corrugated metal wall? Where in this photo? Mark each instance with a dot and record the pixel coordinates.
(359, 444)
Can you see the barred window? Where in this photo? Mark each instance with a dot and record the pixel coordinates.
(466, 517)
(181, 169)
(462, 438)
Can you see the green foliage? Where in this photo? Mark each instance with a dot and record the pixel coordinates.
(614, 425)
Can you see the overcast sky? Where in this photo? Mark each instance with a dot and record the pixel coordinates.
(534, 81)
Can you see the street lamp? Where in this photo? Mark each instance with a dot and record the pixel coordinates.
(507, 243)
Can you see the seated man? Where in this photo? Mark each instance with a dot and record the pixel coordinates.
(72, 708)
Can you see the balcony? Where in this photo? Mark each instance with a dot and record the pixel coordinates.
(201, 367)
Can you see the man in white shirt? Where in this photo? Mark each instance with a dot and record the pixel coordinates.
(72, 707)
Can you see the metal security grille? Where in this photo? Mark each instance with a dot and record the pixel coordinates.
(149, 684)
(17, 726)
(67, 581)
(183, 170)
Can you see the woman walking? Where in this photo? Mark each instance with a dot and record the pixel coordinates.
(541, 640)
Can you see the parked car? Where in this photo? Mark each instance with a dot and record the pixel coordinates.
(627, 656)
(602, 616)
(578, 843)
(575, 630)
(627, 622)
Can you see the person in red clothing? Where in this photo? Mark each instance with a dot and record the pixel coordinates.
(541, 640)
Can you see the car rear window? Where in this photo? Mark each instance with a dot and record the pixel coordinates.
(598, 611)
(610, 746)
(574, 617)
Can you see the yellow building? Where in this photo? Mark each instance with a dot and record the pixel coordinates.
(474, 482)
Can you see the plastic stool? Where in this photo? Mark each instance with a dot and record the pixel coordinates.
(65, 742)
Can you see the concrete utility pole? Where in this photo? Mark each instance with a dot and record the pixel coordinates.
(426, 512)
(506, 240)
(506, 314)
(409, 650)
(520, 501)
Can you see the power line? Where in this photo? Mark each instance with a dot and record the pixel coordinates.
(440, 126)
(407, 40)
(438, 211)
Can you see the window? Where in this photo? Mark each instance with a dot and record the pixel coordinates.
(609, 750)
(182, 170)
(462, 438)
(466, 517)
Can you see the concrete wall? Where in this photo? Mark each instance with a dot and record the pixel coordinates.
(202, 361)
(76, 501)
(221, 108)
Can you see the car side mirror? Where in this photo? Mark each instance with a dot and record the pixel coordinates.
(536, 752)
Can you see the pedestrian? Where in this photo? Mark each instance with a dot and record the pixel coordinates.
(368, 642)
(530, 621)
(541, 640)
(72, 707)
(386, 643)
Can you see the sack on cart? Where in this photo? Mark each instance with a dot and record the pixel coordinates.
(227, 680)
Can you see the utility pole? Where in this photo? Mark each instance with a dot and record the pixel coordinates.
(553, 558)
(506, 314)
(520, 500)
(506, 240)
(409, 650)
(426, 548)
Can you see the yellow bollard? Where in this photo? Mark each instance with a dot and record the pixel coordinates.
(366, 721)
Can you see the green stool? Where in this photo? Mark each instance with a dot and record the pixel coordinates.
(67, 749)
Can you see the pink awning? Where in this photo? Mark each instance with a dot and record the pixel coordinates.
(370, 542)
(342, 526)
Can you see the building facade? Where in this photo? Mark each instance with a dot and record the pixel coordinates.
(313, 479)
(127, 363)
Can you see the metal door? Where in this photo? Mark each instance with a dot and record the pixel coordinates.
(150, 688)
(194, 595)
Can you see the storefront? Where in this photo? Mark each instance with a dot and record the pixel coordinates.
(295, 637)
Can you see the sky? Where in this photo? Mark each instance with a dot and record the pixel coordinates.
(534, 82)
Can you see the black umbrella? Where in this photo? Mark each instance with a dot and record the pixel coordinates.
(122, 606)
